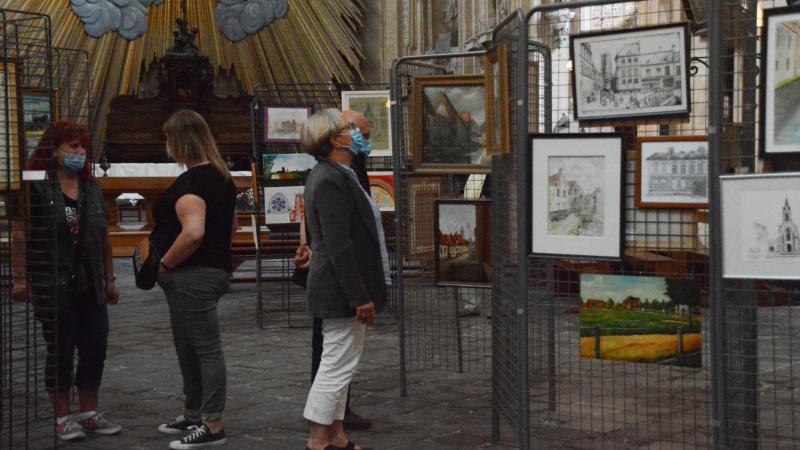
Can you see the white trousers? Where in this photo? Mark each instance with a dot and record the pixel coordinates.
(342, 345)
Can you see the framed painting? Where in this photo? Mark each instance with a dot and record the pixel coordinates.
(449, 115)
(761, 239)
(422, 195)
(286, 167)
(497, 106)
(381, 187)
(37, 115)
(631, 74)
(463, 243)
(10, 130)
(576, 195)
(283, 205)
(282, 124)
(672, 172)
(641, 319)
(780, 83)
(375, 107)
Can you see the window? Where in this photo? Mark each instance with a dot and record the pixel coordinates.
(666, 71)
(674, 169)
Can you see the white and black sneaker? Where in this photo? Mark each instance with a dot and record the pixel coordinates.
(181, 425)
(199, 438)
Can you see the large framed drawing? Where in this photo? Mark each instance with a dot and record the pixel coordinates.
(10, 120)
(283, 205)
(282, 124)
(286, 167)
(449, 114)
(576, 195)
(497, 106)
(631, 74)
(780, 82)
(375, 107)
(761, 238)
(463, 243)
(672, 172)
(37, 115)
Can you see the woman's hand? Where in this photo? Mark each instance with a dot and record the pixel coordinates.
(112, 293)
(302, 257)
(366, 314)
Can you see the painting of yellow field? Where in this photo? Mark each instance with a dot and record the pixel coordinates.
(641, 319)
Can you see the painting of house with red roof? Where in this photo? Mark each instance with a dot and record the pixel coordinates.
(463, 243)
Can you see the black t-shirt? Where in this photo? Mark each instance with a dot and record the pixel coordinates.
(219, 194)
(73, 223)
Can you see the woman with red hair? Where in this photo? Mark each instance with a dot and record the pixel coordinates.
(72, 305)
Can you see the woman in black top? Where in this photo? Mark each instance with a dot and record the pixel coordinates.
(68, 232)
(194, 223)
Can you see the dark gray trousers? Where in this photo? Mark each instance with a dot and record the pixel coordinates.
(192, 294)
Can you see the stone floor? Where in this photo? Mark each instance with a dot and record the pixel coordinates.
(268, 380)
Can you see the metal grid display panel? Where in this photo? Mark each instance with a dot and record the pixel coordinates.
(441, 327)
(26, 417)
(603, 403)
(756, 378)
(279, 301)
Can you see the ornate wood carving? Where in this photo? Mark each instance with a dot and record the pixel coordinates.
(183, 78)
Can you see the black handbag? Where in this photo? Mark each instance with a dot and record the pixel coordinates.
(146, 261)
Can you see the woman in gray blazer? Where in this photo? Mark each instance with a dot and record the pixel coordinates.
(349, 269)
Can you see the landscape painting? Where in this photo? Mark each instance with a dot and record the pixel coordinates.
(283, 205)
(283, 124)
(463, 239)
(761, 236)
(641, 319)
(575, 195)
(450, 128)
(780, 86)
(286, 166)
(672, 172)
(36, 116)
(381, 186)
(634, 73)
(375, 107)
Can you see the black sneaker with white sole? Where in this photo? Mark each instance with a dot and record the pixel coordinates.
(199, 438)
(181, 425)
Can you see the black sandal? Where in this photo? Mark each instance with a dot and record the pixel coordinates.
(350, 446)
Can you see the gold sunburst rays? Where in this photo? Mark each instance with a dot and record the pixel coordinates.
(316, 41)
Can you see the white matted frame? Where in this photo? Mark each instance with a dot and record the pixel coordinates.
(375, 106)
(760, 233)
(283, 205)
(780, 78)
(568, 219)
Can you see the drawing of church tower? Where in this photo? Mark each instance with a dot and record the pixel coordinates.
(788, 241)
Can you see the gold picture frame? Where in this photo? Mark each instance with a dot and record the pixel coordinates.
(35, 118)
(10, 132)
(497, 106)
(448, 113)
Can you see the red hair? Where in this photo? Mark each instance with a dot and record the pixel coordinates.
(58, 133)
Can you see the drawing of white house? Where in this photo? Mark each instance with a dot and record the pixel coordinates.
(678, 173)
(788, 240)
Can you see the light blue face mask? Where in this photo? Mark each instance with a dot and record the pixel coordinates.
(73, 163)
(360, 145)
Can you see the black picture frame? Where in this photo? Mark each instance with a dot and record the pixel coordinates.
(529, 194)
(486, 203)
(768, 67)
(683, 27)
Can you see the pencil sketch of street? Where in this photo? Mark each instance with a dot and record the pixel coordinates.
(575, 195)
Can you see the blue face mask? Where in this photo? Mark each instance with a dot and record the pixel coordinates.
(73, 163)
(360, 145)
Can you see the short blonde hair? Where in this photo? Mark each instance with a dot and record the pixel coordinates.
(318, 129)
(190, 141)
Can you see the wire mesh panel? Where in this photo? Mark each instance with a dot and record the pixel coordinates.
(443, 324)
(71, 85)
(27, 233)
(279, 299)
(619, 347)
(754, 72)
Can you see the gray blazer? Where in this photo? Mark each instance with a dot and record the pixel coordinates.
(346, 268)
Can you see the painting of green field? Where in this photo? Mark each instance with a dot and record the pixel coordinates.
(641, 319)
